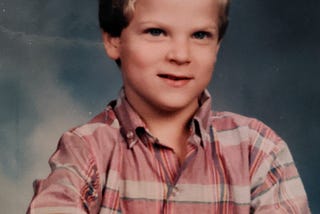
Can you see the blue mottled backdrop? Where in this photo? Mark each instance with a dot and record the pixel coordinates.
(54, 75)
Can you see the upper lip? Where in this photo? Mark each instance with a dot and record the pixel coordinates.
(174, 76)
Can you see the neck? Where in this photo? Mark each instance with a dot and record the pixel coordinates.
(172, 131)
(170, 128)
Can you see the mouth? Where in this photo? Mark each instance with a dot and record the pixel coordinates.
(173, 77)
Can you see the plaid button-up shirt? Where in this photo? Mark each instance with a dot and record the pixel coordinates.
(113, 164)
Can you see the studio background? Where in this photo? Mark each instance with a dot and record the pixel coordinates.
(55, 75)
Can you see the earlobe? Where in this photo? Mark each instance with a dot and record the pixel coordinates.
(111, 45)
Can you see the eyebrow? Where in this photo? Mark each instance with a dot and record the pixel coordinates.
(208, 26)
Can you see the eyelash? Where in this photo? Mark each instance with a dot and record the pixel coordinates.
(201, 35)
(154, 31)
(197, 35)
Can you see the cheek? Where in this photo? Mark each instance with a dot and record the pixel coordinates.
(138, 56)
(206, 52)
(207, 60)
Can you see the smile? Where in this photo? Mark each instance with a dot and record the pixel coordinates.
(174, 80)
(173, 77)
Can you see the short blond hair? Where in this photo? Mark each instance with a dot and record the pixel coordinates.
(115, 15)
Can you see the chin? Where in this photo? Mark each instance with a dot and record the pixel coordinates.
(176, 105)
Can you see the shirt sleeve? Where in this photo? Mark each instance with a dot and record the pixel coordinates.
(276, 186)
(73, 186)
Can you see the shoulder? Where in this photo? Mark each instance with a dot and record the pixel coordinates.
(243, 129)
(104, 123)
(229, 120)
(102, 131)
(95, 142)
(250, 142)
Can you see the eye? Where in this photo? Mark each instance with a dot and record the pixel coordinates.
(201, 35)
(155, 31)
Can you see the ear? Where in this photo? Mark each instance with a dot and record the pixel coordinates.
(111, 45)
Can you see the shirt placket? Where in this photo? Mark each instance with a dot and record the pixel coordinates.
(172, 188)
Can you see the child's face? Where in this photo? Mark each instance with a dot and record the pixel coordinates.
(167, 53)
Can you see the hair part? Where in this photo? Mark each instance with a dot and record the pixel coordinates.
(115, 15)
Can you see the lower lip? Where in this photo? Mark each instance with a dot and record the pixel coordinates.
(176, 83)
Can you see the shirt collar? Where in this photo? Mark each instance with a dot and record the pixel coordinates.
(131, 124)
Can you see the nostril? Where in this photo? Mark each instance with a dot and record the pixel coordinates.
(179, 54)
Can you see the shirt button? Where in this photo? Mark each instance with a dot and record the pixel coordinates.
(130, 135)
(175, 192)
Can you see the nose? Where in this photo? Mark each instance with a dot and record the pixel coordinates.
(179, 51)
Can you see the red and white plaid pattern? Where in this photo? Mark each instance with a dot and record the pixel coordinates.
(113, 164)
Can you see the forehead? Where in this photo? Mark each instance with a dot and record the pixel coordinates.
(177, 10)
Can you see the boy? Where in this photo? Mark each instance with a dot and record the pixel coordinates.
(159, 148)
